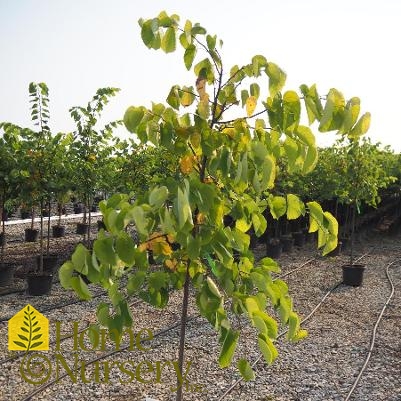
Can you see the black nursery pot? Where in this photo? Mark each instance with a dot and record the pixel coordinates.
(82, 228)
(353, 274)
(288, 243)
(58, 231)
(39, 284)
(274, 249)
(78, 209)
(2, 239)
(50, 263)
(25, 215)
(7, 274)
(299, 238)
(31, 235)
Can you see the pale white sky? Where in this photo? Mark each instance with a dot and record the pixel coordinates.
(77, 47)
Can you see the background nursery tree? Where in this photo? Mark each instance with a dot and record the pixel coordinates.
(9, 143)
(88, 148)
(228, 142)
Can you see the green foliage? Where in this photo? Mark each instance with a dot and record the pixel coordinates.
(228, 166)
(135, 168)
(90, 151)
(349, 171)
(10, 141)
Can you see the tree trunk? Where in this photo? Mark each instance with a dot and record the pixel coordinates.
(41, 239)
(184, 313)
(33, 216)
(48, 231)
(3, 230)
(60, 211)
(89, 221)
(352, 234)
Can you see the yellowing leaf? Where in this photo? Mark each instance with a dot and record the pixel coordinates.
(182, 132)
(361, 127)
(195, 139)
(203, 106)
(200, 218)
(187, 96)
(201, 86)
(250, 105)
(171, 264)
(242, 225)
(143, 247)
(161, 247)
(186, 164)
(229, 132)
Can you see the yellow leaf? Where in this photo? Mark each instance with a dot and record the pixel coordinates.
(170, 238)
(201, 86)
(161, 248)
(171, 264)
(229, 132)
(242, 225)
(250, 105)
(159, 245)
(187, 99)
(186, 164)
(143, 247)
(195, 139)
(182, 132)
(200, 218)
(203, 106)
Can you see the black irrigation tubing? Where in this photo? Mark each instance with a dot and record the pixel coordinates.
(12, 291)
(297, 268)
(60, 305)
(312, 260)
(110, 353)
(13, 358)
(373, 338)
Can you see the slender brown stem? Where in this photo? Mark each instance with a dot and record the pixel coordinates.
(32, 216)
(2, 230)
(41, 239)
(184, 314)
(90, 203)
(60, 210)
(353, 233)
(48, 229)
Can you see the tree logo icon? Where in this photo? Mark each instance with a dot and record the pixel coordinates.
(28, 330)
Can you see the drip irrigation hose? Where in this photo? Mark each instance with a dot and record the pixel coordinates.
(373, 338)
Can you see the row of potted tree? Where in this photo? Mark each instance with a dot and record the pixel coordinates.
(38, 167)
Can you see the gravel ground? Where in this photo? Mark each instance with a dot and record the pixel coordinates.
(322, 367)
